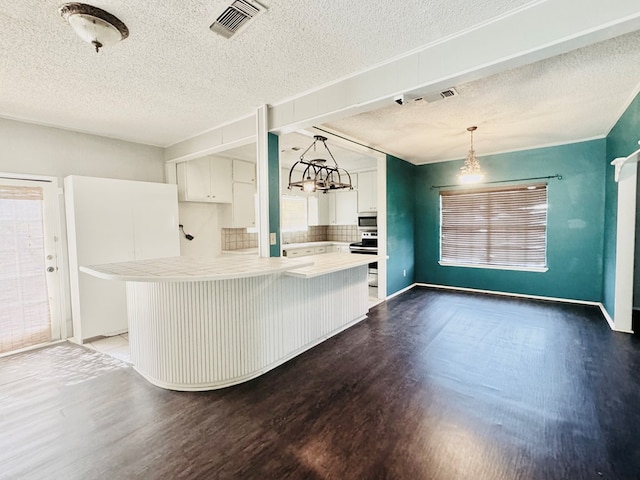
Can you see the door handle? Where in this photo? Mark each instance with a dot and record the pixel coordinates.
(50, 269)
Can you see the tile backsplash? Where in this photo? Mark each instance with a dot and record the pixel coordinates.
(313, 234)
(238, 238)
(343, 233)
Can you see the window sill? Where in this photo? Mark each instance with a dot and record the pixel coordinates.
(495, 267)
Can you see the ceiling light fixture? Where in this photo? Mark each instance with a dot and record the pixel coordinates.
(317, 175)
(471, 172)
(94, 25)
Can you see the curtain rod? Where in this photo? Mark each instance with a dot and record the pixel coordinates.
(557, 175)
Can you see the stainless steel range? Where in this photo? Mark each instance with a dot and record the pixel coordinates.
(368, 245)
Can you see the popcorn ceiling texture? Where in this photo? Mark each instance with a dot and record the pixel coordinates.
(571, 97)
(173, 78)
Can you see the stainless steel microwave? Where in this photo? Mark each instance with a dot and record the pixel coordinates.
(368, 221)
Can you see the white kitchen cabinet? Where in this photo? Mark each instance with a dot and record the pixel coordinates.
(318, 209)
(300, 252)
(241, 213)
(243, 207)
(339, 208)
(368, 191)
(311, 250)
(207, 179)
(244, 172)
(346, 207)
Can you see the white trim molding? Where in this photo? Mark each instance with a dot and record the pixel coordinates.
(626, 176)
(522, 295)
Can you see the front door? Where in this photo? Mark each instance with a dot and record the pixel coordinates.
(29, 286)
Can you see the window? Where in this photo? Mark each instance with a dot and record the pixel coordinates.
(499, 227)
(293, 213)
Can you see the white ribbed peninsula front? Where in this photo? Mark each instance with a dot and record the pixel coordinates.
(204, 331)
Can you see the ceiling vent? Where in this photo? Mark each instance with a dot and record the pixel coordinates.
(235, 17)
(434, 97)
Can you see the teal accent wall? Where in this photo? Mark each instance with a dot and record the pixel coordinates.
(621, 142)
(274, 192)
(575, 223)
(400, 223)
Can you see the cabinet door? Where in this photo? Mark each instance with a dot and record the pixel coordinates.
(243, 209)
(196, 180)
(346, 211)
(367, 191)
(331, 208)
(221, 182)
(318, 209)
(244, 172)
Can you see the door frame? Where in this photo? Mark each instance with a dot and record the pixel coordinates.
(52, 196)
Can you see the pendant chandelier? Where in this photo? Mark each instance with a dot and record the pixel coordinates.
(317, 173)
(471, 172)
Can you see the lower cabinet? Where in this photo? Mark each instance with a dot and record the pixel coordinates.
(304, 251)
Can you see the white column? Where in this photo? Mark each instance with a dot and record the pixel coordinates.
(262, 165)
(627, 173)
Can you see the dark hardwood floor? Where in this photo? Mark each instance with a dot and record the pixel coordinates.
(434, 385)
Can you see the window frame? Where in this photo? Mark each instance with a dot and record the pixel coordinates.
(296, 228)
(501, 264)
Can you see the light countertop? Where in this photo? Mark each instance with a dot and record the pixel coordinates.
(224, 267)
(189, 269)
(325, 263)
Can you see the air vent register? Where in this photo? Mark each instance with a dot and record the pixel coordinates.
(235, 17)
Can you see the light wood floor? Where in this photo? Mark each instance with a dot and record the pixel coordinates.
(434, 385)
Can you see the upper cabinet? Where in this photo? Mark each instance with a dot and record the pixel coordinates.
(243, 207)
(207, 179)
(337, 208)
(368, 191)
(244, 172)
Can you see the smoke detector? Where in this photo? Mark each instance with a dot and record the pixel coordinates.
(234, 17)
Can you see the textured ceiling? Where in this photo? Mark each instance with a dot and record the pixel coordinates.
(173, 78)
(567, 98)
(293, 145)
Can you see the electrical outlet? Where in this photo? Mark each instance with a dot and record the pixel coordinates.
(272, 238)
(404, 273)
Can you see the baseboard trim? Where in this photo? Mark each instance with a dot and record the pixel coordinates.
(389, 297)
(604, 312)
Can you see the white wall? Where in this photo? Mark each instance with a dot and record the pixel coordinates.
(29, 149)
(204, 222)
(34, 149)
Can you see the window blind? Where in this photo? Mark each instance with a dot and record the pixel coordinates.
(503, 227)
(24, 301)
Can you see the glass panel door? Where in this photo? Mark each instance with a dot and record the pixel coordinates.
(28, 270)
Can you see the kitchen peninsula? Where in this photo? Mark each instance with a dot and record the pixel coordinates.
(203, 324)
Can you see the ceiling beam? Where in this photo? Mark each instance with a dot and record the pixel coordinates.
(535, 32)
